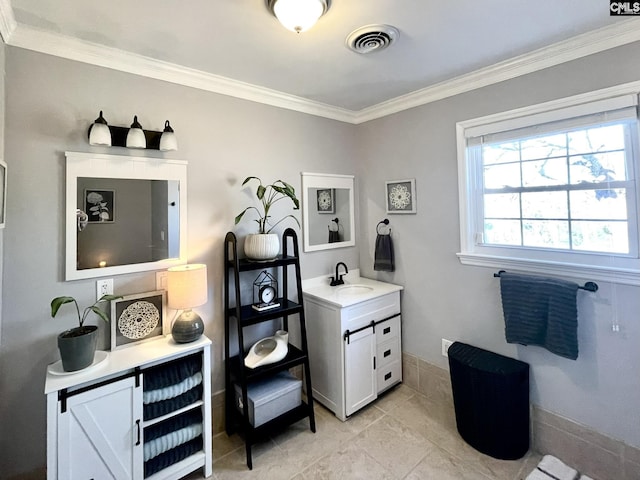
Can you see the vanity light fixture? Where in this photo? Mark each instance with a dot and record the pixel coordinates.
(135, 137)
(298, 15)
(99, 133)
(187, 288)
(168, 140)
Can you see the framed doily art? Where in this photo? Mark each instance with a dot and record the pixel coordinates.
(325, 200)
(138, 318)
(401, 196)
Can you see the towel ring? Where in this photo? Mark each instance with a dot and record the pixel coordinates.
(385, 222)
(337, 227)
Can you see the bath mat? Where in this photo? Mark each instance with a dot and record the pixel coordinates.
(551, 468)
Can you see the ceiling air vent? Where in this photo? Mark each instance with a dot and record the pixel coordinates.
(372, 38)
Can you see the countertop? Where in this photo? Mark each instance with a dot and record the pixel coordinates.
(320, 289)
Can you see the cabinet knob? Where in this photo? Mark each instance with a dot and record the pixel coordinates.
(138, 427)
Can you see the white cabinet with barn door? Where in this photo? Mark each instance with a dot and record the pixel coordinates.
(145, 412)
(354, 343)
(359, 370)
(100, 434)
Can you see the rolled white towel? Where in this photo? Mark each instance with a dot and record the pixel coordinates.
(557, 469)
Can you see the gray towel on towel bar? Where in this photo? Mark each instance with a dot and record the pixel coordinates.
(540, 311)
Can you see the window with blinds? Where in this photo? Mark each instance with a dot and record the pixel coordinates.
(556, 185)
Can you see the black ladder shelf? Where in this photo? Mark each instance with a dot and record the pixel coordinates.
(244, 315)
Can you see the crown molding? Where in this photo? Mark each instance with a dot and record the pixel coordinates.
(7, 20)
(87, 52)
(618, 34)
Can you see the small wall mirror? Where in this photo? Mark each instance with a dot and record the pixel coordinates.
(328, 211)
(124, 214)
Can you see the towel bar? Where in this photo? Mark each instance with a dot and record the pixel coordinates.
(589, 286)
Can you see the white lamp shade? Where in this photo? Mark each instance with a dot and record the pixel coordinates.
(299, 15)
(168, 141)
(99, 133)
(135, 137)
(187, 286)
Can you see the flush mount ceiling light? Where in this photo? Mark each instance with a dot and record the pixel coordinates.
(99, 133)
(298, 15)
(372, 38)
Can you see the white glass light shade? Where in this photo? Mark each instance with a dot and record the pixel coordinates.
(135, 137)
(187, 286)
(99, 133)
(168, 141)
(298, 15)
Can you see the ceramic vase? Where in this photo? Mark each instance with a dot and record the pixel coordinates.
(261, 246)
(268, 350)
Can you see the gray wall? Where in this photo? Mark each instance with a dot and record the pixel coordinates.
(444, 299)
(2, 97)
(50, 104)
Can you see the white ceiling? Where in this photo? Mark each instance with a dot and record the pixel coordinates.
(240, 40)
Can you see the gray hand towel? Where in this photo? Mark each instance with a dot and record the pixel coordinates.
(384, 260)
(540, 311)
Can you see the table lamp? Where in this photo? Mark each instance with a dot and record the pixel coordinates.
(187, 288)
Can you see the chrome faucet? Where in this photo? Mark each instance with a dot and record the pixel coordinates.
(337, 280)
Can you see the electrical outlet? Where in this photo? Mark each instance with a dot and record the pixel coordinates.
(161, 280)
(445, 347)
(104, 287)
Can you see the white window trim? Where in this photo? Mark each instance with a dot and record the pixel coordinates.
(469, 254)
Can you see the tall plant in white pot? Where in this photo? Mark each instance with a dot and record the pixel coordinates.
(265, 245)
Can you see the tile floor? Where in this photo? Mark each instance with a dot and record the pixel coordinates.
(403, 435)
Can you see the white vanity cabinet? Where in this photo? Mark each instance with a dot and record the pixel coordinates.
(110, 422)
(354, 347)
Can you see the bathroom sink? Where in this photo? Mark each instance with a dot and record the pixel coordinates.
(355, 290)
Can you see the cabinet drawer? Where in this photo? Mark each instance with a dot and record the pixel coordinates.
(388, 352)
(388, 329)
(389, 375)
(375, 310)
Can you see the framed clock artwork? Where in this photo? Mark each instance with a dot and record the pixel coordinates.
(265, 292)
(325, 200)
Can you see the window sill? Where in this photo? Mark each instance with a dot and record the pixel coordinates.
(561, 269)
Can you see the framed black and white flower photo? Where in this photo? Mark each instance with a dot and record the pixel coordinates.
(325, 200)
(99, 205)
(401, 196)
(138, 318)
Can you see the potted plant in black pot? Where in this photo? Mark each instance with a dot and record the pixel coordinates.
(78, 345)
(265, 245)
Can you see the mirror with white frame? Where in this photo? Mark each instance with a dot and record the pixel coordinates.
(124, 214)
(328, 211)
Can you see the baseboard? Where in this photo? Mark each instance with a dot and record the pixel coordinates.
(588, 451)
